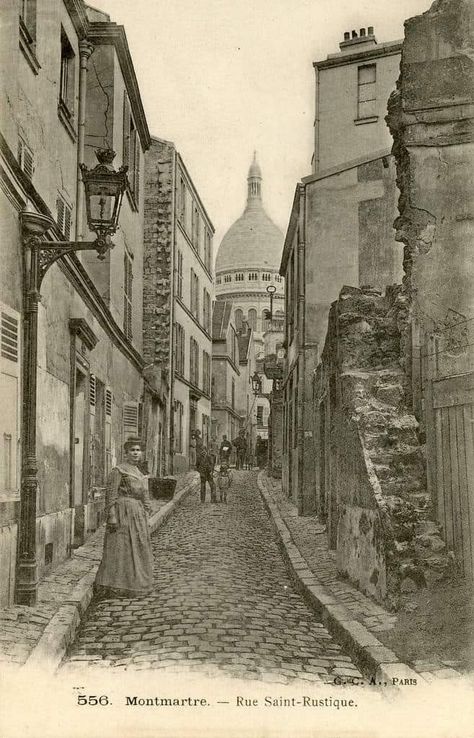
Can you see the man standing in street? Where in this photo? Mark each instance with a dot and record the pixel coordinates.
(224, 451)
(240, 444)
(205, 466)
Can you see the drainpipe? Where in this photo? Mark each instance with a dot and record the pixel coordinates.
(316, 124)
(301, 347)
(85, 50)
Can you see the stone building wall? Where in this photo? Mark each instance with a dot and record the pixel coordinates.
(431, 117)
(371, 482)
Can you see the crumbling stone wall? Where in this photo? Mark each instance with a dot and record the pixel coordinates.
(431, 117)
(378, 508)
(158, 235)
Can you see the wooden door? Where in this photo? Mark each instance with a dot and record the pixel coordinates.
(453, 413)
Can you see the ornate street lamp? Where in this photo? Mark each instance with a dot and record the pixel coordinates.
(271, 289)
(104, 188)
(256, 383)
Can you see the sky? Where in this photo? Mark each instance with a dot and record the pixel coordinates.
(221, 78)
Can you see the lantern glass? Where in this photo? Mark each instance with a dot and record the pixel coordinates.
(104, 188)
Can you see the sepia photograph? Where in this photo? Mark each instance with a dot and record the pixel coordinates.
(237, 369)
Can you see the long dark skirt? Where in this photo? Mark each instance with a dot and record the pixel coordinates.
(127, 561)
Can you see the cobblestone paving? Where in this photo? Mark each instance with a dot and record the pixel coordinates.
(223, 602)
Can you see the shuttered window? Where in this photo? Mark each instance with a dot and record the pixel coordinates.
(130, 420)
(131, 150)
(9, 337)
(64, 217)
(108, 430)
(9, 398)
(127, 295)
(26, 158)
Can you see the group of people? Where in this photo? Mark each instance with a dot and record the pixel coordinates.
(126, 568)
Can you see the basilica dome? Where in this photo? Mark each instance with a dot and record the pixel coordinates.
(253, 241)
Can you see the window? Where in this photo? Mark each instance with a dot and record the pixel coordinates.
(108, 430)
(252, 319)
(25, 158)
(28, 20)
(178, 427)
(218, 280)
(63, 217)
(194, 362)
(9, 397)
(259, 416)
(194, 294)
(366, 92)
(238, 319)
(253, 276)
(207, 250)
(266, 277)
(206, 373)
(239, 277)
(67, 77)
(179, 274)
(206, 311)
(131, 151)
(179, 349)
(228, 278)
(127, 295)
(195, 228)
(130, 420)
(182, 201)
(278, 278)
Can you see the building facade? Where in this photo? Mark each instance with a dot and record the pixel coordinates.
(246, 264)
(225, 374)
(178, 297)
(340, 233)
(90, 384)
(351, 91)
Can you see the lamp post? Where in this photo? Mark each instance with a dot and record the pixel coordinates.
(256, 383)
(104, 188)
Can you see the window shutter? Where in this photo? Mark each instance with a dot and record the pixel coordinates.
(9, 337)
(108, 430)
(130, 420)
(126, 131)
(60, 213)
(136, 167)
(67, 222)
(92, 393)
(25, 158)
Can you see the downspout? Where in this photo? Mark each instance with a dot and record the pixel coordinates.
(316, 125)
(85, 50)
(172, 311)
(301, 346)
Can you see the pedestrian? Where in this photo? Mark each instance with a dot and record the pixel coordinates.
(126, 568)
(205, 466)
(260, 452)
(240, 444)
(224, 451)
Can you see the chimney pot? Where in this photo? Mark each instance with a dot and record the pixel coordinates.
(362, 32)
(347, 36)
(370, 30)
(354, 34)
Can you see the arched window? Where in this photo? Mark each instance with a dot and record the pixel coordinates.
(239, 277)
(238, 319)
(252, 319)
(228, 278)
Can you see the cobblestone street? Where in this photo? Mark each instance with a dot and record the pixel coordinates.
(223, 603)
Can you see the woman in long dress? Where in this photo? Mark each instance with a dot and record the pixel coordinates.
(126, 568)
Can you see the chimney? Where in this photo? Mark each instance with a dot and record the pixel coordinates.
(351, 38)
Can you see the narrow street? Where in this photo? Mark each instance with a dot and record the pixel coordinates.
(223, 603)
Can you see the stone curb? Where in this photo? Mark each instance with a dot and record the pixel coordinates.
(371, 656)
(61, 629)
